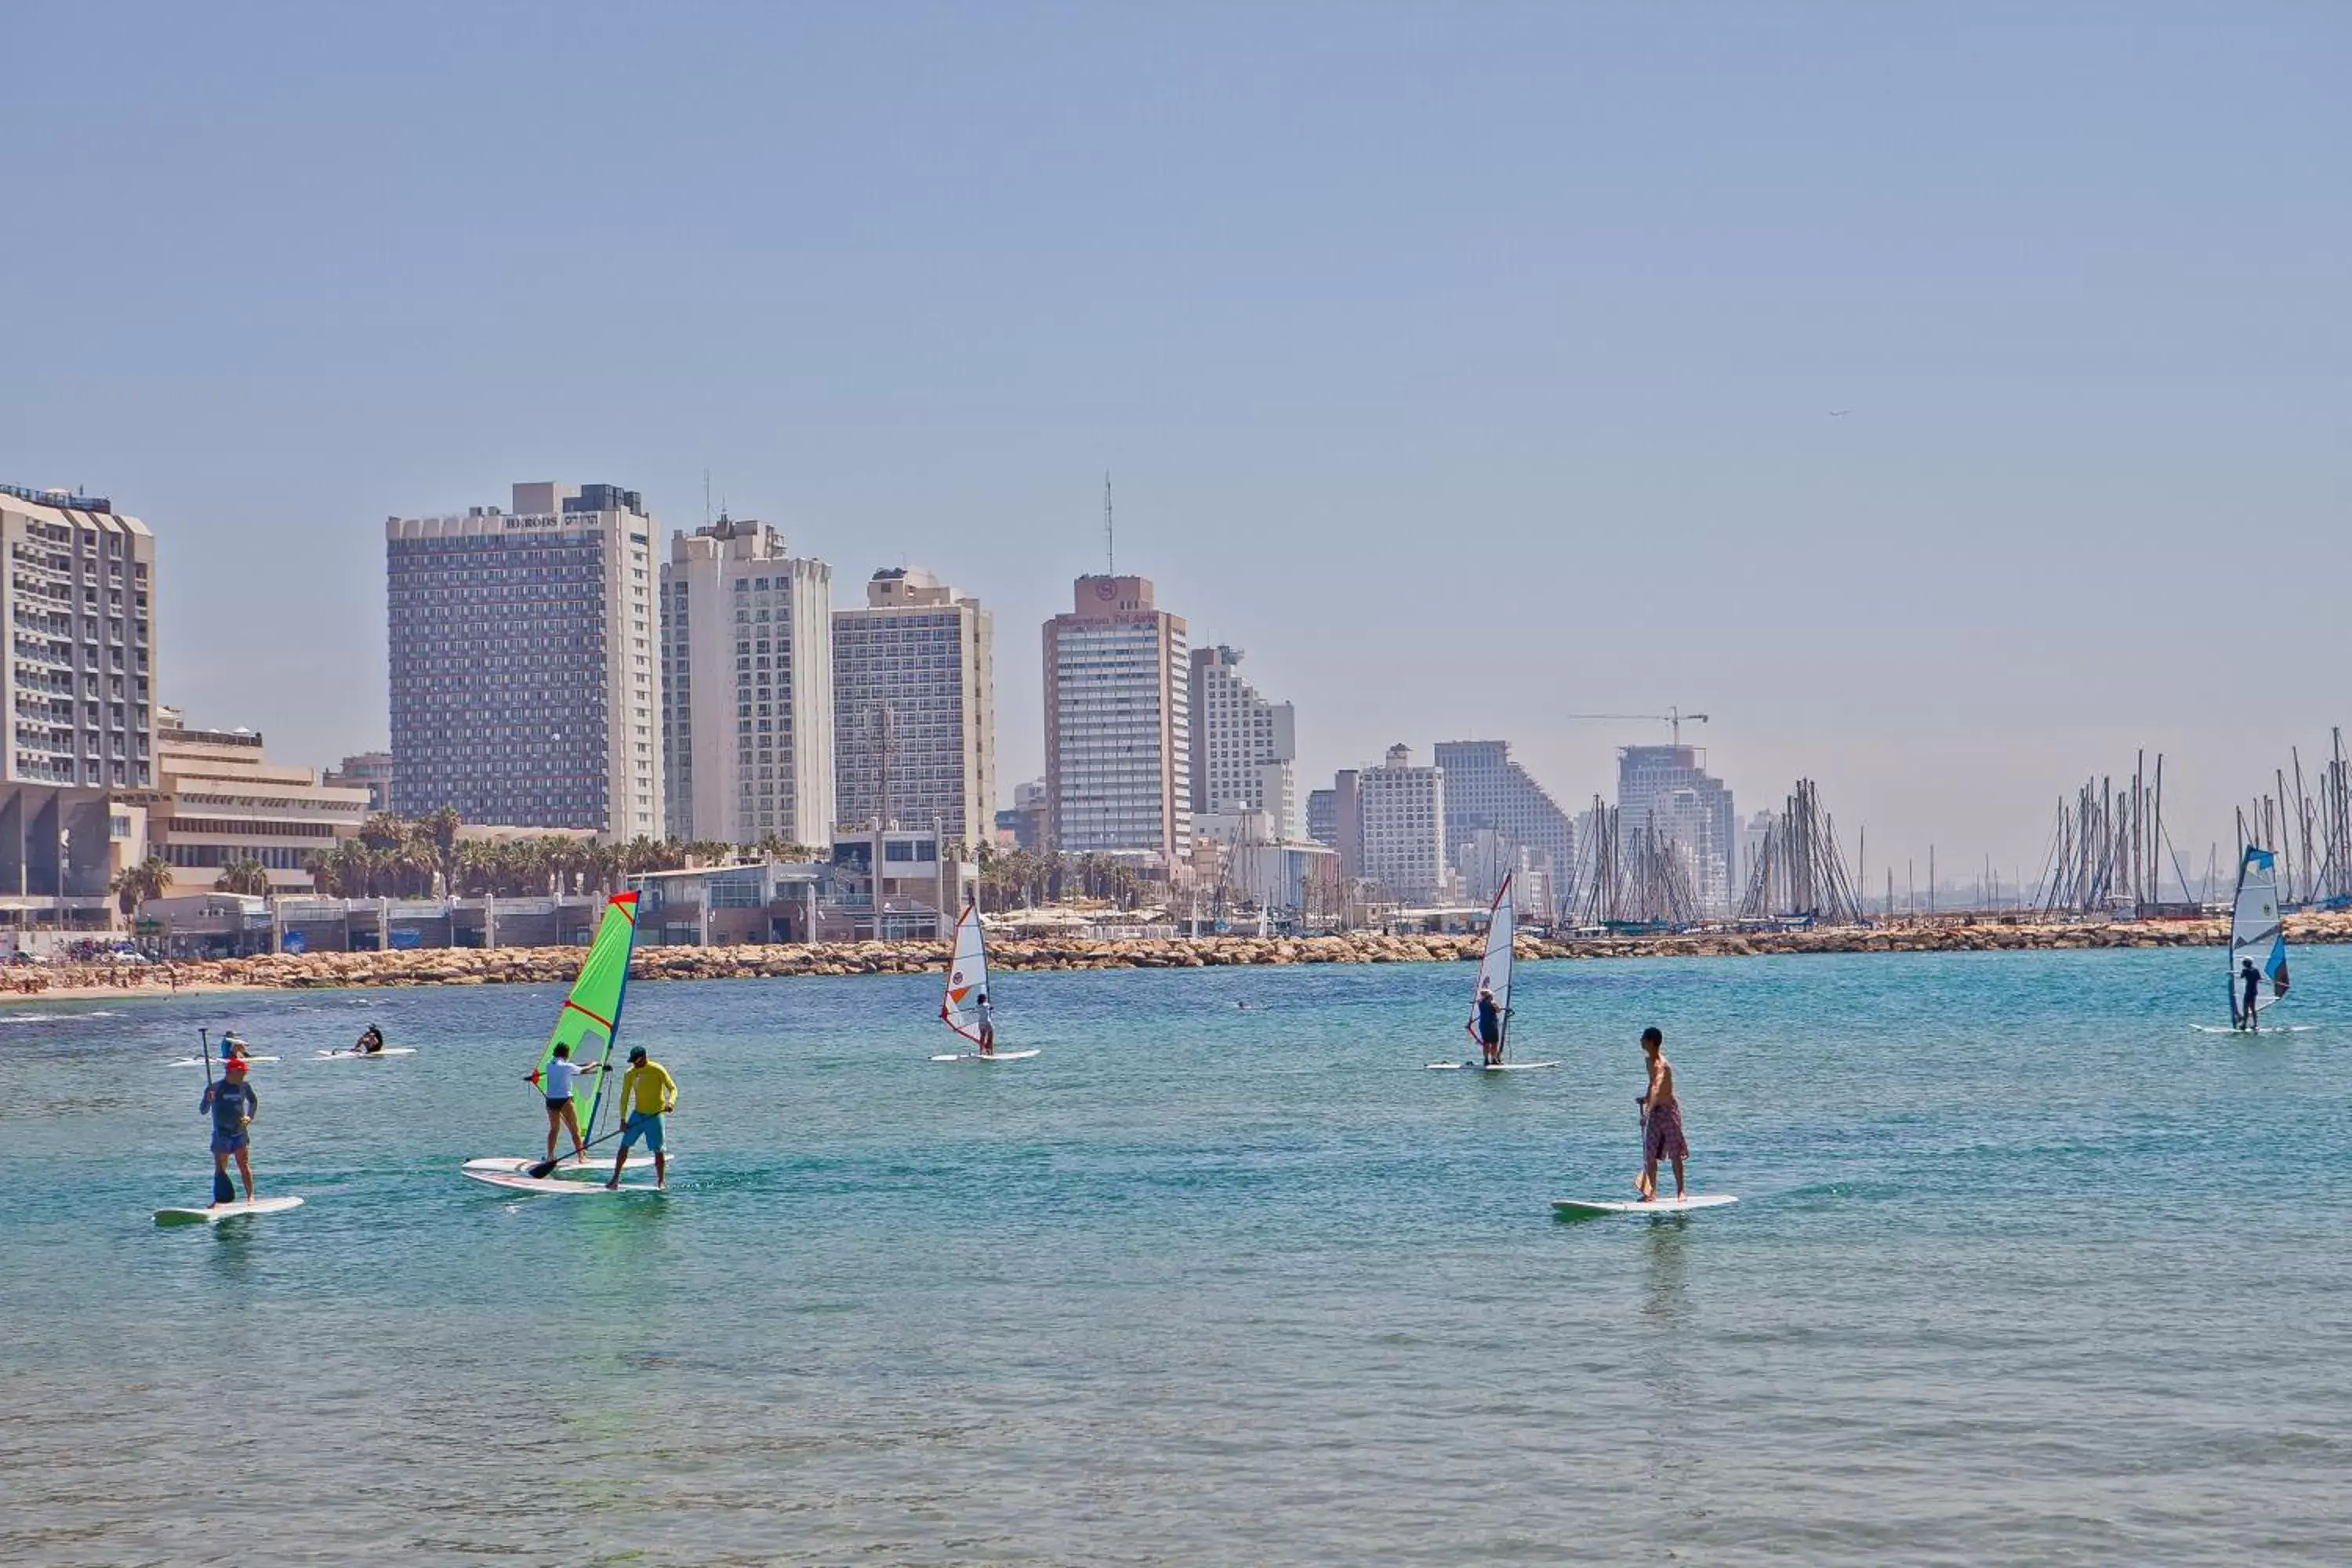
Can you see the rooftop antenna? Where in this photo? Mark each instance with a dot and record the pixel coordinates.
(705, 498)
(1110, 538)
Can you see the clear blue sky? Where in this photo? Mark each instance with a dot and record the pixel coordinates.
(1467, 366)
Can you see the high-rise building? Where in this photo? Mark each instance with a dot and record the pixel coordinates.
(747, 723)
(1118, 737)
(76, 692)
(914, 708)
(1667, 789)
(1485, 789)
(1403, 812)
(1245, 748)
(525, 686)
(1323, 816)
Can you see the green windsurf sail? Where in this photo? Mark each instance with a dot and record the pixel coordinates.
(592, 1012)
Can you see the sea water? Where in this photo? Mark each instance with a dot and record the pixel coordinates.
(2023, 1267)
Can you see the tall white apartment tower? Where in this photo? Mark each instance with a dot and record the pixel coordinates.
(747, 648)
(526, 686)
(1118, 724)
(1402, 817)
(914, 708)
(76, 692)
(1245, 748)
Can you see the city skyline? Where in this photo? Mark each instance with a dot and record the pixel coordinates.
(1770, 373)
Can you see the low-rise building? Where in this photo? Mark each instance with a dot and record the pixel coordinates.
(370, 771)
(222, 802)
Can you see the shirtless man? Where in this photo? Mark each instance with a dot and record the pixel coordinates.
(1661, 1121)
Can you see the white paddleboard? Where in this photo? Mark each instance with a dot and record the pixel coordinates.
(1577, 1208)
(199, 1061)
(1485, 1066)
(219, 1212)
(2265, 1029)
(976, 1057)
(364, 1056)
(515, 1182)
(593, 1165)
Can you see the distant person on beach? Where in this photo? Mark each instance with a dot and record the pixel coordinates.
(1490, 1026)
(371, 1041)
(232, 1104)
(556, 1083)
(647, 1094)
(1662, 1119)
(2251, 979)
(986, 1012)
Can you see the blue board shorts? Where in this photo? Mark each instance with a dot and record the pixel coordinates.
(228, 1143)
(646, 1125)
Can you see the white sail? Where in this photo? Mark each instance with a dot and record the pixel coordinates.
(1495, 965)
(2257, 934)
(967, 977)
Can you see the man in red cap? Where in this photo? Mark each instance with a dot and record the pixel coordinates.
(233, 1105)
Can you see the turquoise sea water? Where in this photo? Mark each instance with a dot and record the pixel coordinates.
(2024, 1268)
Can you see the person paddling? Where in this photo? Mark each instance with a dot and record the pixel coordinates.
(370, 1043)
(233, 1047)
(555, 1081)
(1661, 1121)
(2251, 977)
(647, 1094)
(1489, 1022)
(985, 1011)
(232, 1104)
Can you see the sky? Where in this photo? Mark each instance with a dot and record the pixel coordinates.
(1951, 401)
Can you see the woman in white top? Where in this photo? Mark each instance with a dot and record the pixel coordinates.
(556, 1084)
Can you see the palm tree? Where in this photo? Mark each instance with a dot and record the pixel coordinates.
(439, 828)
(249, 877)
(135, 885)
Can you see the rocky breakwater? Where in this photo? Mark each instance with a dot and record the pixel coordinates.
(556, 965)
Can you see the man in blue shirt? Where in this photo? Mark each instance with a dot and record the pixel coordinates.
(232, 1104)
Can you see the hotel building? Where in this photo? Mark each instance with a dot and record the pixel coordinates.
(1119, 738)
(74, 691)
(525, 689)
(1245, 748)
(746, 716)
(914, 708)
(1401, 822)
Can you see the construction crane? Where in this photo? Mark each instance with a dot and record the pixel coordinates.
(1674, 716)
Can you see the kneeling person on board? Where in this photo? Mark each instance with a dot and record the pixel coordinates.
(1662, 1119)
(647, 1094)
(985, 1011)
(371, 1041)
(556, 1083)
(232, 1104)
(1490, 1027)
(2252, 978)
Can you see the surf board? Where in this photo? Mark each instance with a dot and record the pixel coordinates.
(219, 1212)
(593, 1165)
(199, 1061)
(1489, 1066)
(1586, 1208)
(350, 1055)
(515, 1182)
(2265, 1029)
(976, 1057)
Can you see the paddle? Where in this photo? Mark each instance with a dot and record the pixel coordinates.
(223, 1191)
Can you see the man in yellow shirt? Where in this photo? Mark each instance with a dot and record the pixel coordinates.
(647, 1094)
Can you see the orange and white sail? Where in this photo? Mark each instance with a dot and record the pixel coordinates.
(967, 977)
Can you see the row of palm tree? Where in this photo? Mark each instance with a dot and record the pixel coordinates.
(1022, 878)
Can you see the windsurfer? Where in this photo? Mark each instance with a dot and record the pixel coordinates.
(1662, 1119)
(647, 1094)
(232, 1104)
(985, 1011)
(1490, 1026)
(555, 1081)
(2251, 978)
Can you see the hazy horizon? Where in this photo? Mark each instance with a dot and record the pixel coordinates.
(1950, 404)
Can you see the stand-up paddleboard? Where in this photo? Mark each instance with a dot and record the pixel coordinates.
(209, 1061)
(1589, 1208)
(591, 1010)
(364, 1056)
(571, 1166)
(968, 988)
(219, 1212)
(1489, 1066)
(554, 1186)
(2264, 1030)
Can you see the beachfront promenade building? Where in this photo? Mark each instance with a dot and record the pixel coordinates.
(914, 708)
(1667, 789)
(1485, 790)
(1118, 736)
(76, 688)
(1245, 748)
(747, 718)
(222, 803)
(525, 684)
(1402, 826)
